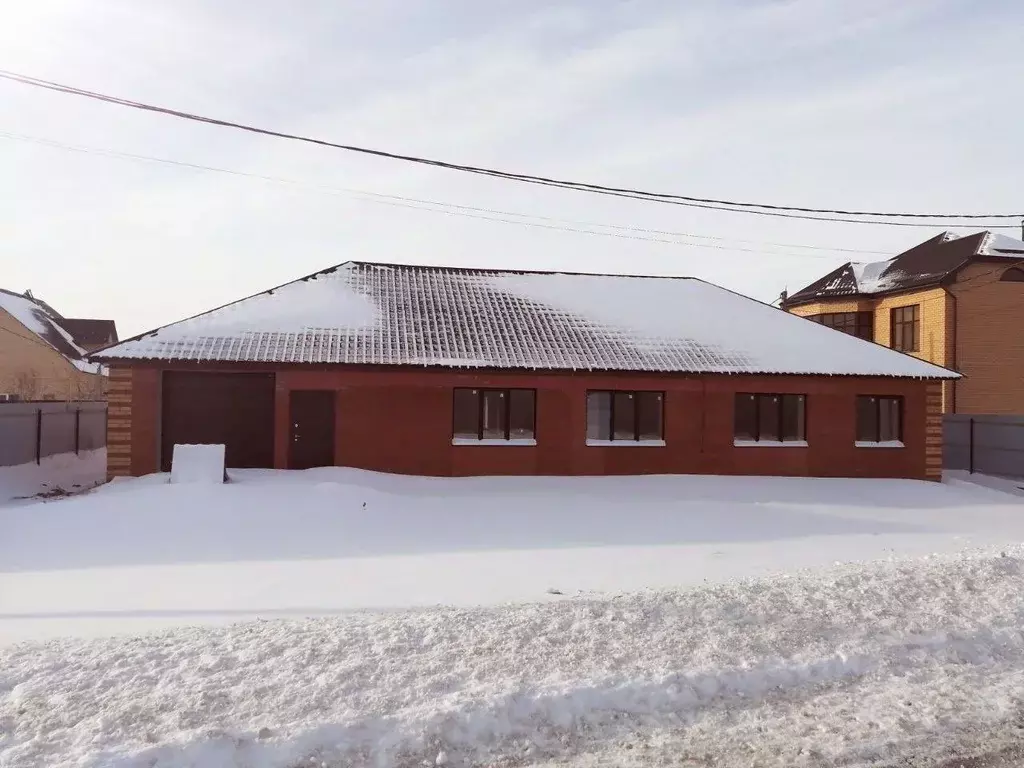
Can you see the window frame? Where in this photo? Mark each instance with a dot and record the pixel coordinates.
(858, 324)
(902, 323)
(800, 442)
(621, 441)
(859, 440)
(506, 394)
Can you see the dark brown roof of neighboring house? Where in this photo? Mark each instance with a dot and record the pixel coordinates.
(923, 265)
(90, 333)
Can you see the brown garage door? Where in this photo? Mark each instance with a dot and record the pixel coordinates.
(236, 409)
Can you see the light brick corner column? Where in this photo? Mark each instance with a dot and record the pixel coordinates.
(119, 422)
(933, 431)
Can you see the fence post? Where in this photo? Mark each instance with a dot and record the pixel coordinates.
(78, 428)
(39, 435)
(971, 447)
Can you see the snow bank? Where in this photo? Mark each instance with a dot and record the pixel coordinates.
(62, 472)
(865, 663)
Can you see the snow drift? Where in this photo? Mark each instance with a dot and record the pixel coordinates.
(920, 659)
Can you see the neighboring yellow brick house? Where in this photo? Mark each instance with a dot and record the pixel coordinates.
(41, 358)
(956, 302)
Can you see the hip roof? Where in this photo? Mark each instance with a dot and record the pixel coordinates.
(380, 314)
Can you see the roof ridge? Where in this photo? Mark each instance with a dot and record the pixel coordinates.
(511, 271)
(985, 242)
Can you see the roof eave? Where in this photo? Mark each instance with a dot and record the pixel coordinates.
(150, 362)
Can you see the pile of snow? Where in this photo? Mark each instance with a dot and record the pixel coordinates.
(139, 554)
(902, 663)
(64, 472)
(203, 464)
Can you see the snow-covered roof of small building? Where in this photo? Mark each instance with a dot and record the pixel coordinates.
(45, 324)
(923, 265)
(376, 314)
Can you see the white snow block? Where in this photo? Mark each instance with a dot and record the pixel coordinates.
(202, 464)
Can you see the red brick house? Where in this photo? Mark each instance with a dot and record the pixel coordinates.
(441, 371)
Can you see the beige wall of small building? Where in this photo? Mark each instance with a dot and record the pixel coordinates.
(33, 370)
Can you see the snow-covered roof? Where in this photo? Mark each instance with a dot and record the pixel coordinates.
(44, 324)
(925, 264)
(1001, 245)
(375, 314)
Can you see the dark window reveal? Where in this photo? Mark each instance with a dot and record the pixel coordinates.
(906, 328)
(636, 416)
(859, 324)
(494, 414)
(1013, 275)
(770, 418)
(879, 419)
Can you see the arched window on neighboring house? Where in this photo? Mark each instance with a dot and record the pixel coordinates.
(1013, 275)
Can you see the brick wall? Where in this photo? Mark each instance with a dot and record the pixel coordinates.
(34, 370)
(933, 430)
(936, 313)
(838, 305)
(400, 421)
(932, 305)
(989, 341)
(119, 422)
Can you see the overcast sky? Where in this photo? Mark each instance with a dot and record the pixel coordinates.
(909, 105)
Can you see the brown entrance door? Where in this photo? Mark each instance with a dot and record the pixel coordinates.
(312, 429)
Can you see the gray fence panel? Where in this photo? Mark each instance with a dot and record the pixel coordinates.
(58, 433)
(36, 430)
(92, 429)
(987, 444)
(17, 436)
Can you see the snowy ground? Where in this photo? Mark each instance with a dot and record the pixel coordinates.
(685, 631)
(142, 554)
(63, 472)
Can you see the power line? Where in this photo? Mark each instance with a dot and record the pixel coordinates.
(459, 210)
(763, 209)
(33, 339)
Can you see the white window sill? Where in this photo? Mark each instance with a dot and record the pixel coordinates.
(770, 443)
(626, 443)
(882, 444)
(473, 441)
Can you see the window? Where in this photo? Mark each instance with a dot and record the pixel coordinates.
(625, 417)
(1012, 275)
(906, 328)
(770, 419)
(859, 324)
(492, 415)
(879, 420)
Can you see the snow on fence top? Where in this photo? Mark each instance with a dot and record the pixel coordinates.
(363, 313)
